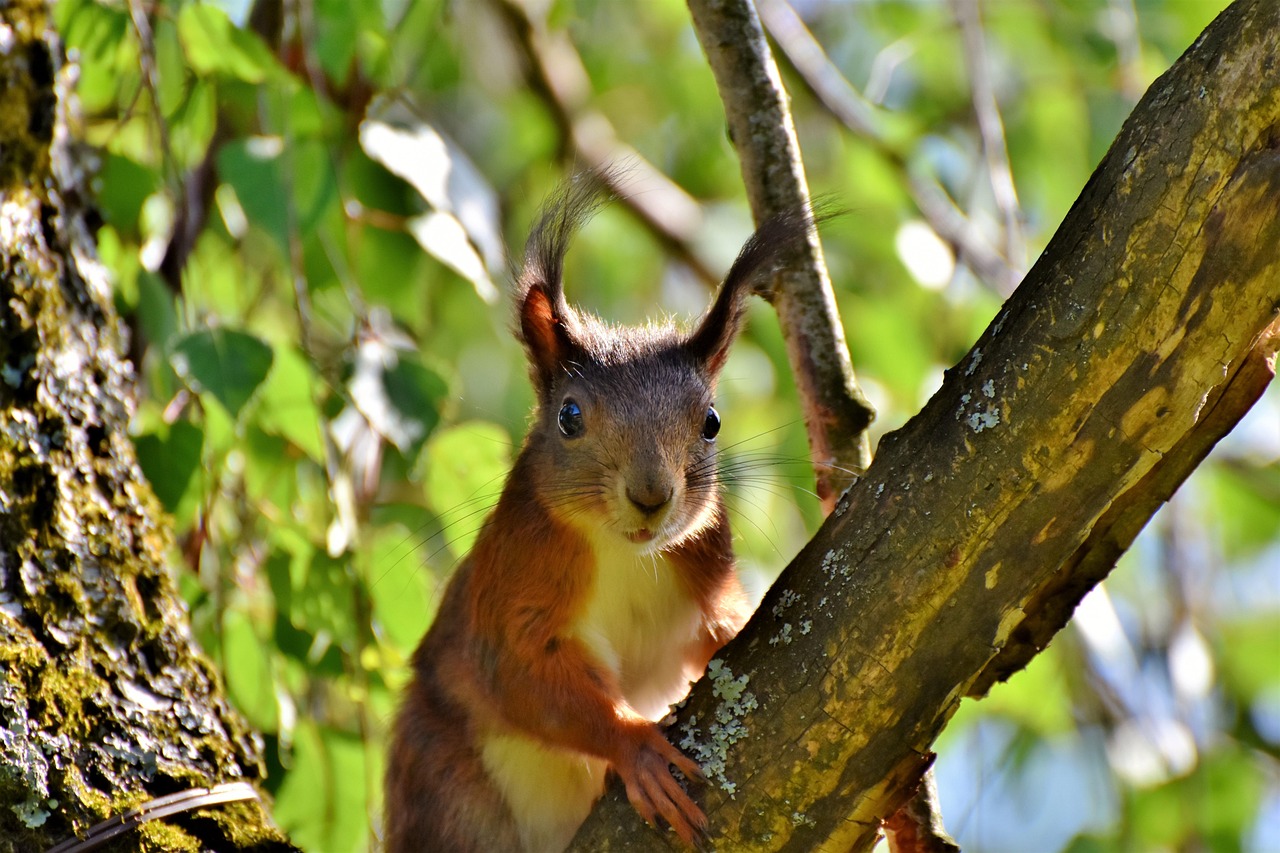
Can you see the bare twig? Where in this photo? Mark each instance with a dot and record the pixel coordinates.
(848, 106)
(836, 413)
(554, 71)
(990, 129)
(1122, 29)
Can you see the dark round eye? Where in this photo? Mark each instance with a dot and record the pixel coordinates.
(711, 425)
(570, 419)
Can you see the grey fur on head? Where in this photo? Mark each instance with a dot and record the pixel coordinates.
(553, 331)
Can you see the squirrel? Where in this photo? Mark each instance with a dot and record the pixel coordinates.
(599, 588)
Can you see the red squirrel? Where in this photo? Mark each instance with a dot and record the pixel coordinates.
(599, 588)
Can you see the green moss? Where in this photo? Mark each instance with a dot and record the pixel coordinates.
(105, 702)
(26, 101)
(159, 836)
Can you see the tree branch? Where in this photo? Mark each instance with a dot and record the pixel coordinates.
(836, 413)
(990, 129)
(847, 105)
(555, 73)
(1146, 330)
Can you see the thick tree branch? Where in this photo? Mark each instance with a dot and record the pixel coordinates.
(1146, 330)
(836, 413)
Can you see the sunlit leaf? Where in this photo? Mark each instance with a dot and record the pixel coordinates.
(465, 231)
(301, 805)
(326, 602)
(464, 468)
(247, 667)
(395, 394)
(400, 585)
(443, 236)
(289, 402)
(100, 35)
(214, 45)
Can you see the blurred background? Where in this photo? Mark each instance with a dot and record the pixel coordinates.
(305, 208)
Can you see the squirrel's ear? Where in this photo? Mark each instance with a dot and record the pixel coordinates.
(547, 326)
(772, 242)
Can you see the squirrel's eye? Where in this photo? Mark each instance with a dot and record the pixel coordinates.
(711, 425)
(570, 419)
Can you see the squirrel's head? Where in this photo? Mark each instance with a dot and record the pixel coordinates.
(624, 436)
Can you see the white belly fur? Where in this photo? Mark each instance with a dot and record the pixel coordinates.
(549, 791)
(638, 623)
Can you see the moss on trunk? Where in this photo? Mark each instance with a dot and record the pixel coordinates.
(105, 701)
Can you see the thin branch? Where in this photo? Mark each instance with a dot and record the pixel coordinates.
(555, 73)
(1122, 28)
(836, 413)
(990, 129)
(847, 105)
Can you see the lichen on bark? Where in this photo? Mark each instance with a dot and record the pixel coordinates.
(105, 700)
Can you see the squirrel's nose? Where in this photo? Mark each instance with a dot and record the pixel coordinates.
(649, 501)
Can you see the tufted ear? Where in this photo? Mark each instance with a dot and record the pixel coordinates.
(772, 242)
(548, 326)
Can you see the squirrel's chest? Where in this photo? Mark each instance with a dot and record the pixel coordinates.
(640, 622)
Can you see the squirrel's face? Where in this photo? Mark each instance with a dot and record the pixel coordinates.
(628, 443)
(626, 430)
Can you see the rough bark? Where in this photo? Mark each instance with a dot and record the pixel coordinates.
(1142, 335)
(836, 413)
(105, 701)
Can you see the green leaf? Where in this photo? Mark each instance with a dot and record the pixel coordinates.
(170, 460)
(102, 39)
(247, 668)
(1246, 652)
(157, 315)
(1242, 506)
(301, 806)
(252, 168)
(214, 45)
(325, 603)
(416, 391)
(464, 470)
(228, 364)
(400, 586)
(322, 804)
(288, 406)
(126, 184)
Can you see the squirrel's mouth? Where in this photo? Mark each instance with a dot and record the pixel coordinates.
(640, 536)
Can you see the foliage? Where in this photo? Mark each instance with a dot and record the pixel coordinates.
(304, 212)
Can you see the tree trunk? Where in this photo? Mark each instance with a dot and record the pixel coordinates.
(106, 704)
(1142, 335)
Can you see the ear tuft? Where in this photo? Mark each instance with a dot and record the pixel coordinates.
(777, 238)
(547, 325)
